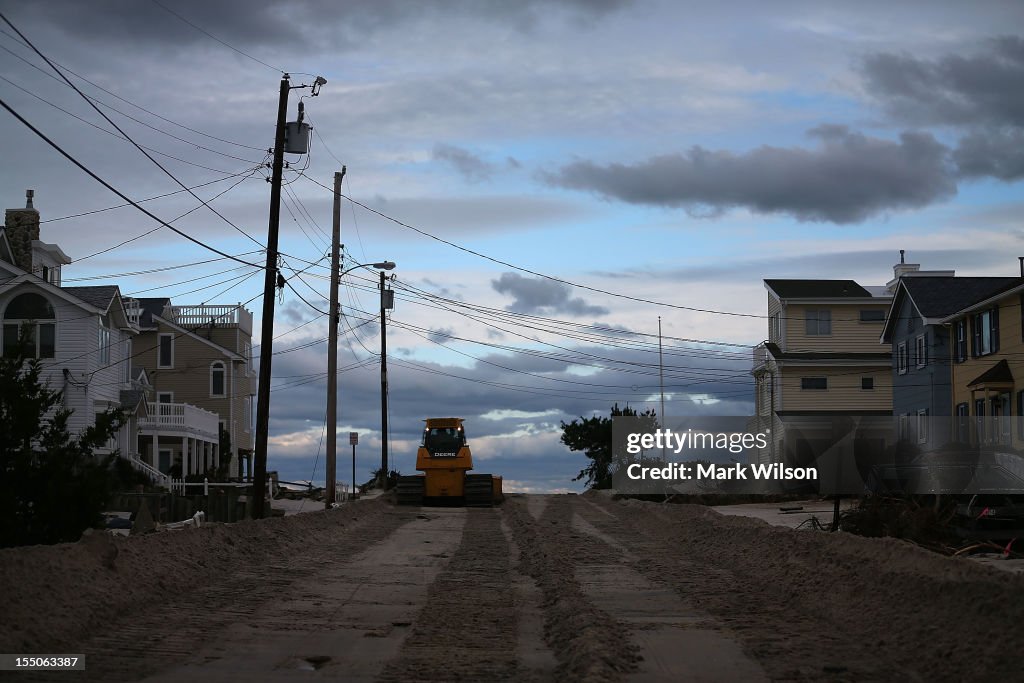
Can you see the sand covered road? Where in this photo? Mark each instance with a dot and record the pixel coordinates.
(544, 588)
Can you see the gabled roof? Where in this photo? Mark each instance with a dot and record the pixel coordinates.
(938, 297)
(817, 289)
(198, 337)
(997, 374)
(98, 296)
(131, 398)
(151, 306)
(1016, 286)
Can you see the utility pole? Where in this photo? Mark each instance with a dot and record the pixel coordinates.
(383, 385)
(332, 353)
(661, 378)
(259, 485)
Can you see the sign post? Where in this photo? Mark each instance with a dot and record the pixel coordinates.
(353, 439)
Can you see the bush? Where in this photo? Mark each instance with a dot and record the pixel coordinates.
(52, 486)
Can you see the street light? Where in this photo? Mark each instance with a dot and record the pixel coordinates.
(332, 375)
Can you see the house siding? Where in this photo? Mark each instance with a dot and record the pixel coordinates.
(849, 334)
(189, 379)
(88, 387)
(844, 392)
(921, 388)
(1011, 349)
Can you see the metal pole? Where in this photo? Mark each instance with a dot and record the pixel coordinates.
(353, 496)
(383, 388)
(661, 377)
(332, 352)
(259, 485)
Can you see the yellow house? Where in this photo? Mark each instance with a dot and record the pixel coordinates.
(987, 368)
(822, 360)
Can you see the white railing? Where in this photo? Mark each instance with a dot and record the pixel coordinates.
(179, 485)
(133, 310)
(181, 417)
(219, 315)
(157, 477)
(760, 355)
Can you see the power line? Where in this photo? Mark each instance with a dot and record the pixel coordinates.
(122, 132)
(122, 99)
(533, 272)
(110, 132)
(213, 37)
(113, 189)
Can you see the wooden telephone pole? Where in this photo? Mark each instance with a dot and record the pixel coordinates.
(332, 353)
(259, 483)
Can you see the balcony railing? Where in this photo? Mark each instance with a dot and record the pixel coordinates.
(133, 310)
(183, 419)
(218, 316)
(760, 356)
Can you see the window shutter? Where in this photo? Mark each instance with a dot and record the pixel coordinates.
(995, 329)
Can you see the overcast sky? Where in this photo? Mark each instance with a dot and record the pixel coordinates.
(671, 152)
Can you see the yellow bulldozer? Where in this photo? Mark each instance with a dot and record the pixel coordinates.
(445, 461)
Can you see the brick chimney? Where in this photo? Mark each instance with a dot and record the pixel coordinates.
(22, 226)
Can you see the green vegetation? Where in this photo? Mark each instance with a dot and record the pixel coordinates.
(593, 436)
(52, 486)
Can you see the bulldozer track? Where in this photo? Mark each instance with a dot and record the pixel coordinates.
(466, 631)
(479, 491)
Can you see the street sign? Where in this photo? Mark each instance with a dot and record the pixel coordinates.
(353, 438)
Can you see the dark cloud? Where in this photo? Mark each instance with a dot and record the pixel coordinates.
(990, 152)
(982, 89)
(848, 177)
(442, 335)
(469, 166)
(542, 296)
(272, 23)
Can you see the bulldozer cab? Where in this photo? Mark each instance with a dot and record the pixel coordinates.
(444, 442)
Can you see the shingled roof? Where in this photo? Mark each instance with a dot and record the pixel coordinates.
(940, 296)
(817, 289)
(98, 296)
(937, 297)
(151, 306)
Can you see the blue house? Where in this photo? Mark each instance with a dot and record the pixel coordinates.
(922, 387)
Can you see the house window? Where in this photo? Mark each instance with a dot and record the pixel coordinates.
(867, 383)
(126, 363)
(36, 314)
(775, 328)
(903, 427)
(901, 358)
(819, 323)
(165, 351)
(217, 373)
(921, 351)
(814, 383)
(247, 350)
(922, 425)
(103, 341)
(961, 340)
(985, 326)
(873, 315)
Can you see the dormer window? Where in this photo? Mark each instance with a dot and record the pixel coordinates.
(36, 314)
